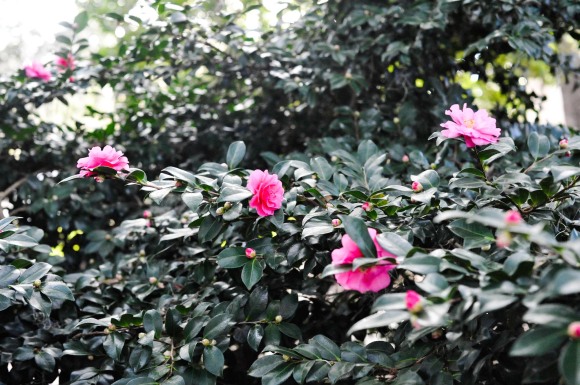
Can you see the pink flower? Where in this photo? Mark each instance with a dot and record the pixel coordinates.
(477, 128)
(574, 330)
(107, 157)
(336, 222)
(374, 278)
(405, 158)
(250, 253)
(367, 206)
(563, 144)
(65, 63)
(37, 71)
(267, 190)
(503, 239)
(417, 186)
(147, 214)
(513, 217)
(413, 301)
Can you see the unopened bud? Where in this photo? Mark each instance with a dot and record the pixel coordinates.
(348, 75)
(90, 357)
(153, 280)
(205, 342)
(486, 247)
(37, 284)
(160, 285)
(112, 327)
(405, 158)
(141, 335)
(563, 144)
(367, 206)
(285, 357)
(220, 211)
(250, 253)
(108, 237)
(227, 205)
(503, 239)
(213, 342)
(278, 319)
(416, 186)
(574, 330)
(336, 222)
(141, 253)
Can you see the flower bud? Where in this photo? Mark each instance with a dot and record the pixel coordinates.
(348, 75)
(413, 301)
(160, 285)
(141, 335)
(367, 206)
(568, 154)
(220, 211)
(513, 217)
(336, 222)
(574, 330)
(108, 237)
(336, 47)
(405, 158)
(486, 247)
(205, 342)
(141, 253)
(153, 280)
(285, 357)
(278, 319)
(147, 214)
(213, 342)
(503, 239)
(90, 357)
(563, 144)
(37, 284)
(178, 183)
(250, 253)
(417, 187)
(227, 205)
(112, 327)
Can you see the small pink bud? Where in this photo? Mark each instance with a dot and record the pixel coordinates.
(250, 253)
(336, 222)
(405, 158)
(147, 214)
(153, 280)
(413, 301)
(148, 223)
(513, 217)
(416, 186)
(568, 154)
(99, 179)
(563, 144)
(503, 240)
(574, 330)
(367, 206)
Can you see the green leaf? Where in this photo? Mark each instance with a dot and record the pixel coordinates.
(474, 234)
(265, 365)
(81, 21)
(252, 272)
(433, 283)
(213, 360)
(551, 314)
(57, 290)
(113, 345)
(232, 257)
(234, 194)
(563, 172)
(255, 335)
(192, 200)
(538, 341)
(175, 380)
(428, 179)
(539, 145)
(21, 240)
(34, 272)
(380, 320)
(209, 229)
(327, 348)
(394, 244)
(44, 361)
(23, 353)
(217, 325)
(569, 363)
(322, 168)
(422, 264)
(359, 233)
(152, 322)
(390, 301)
(8, 275)
(236, 153)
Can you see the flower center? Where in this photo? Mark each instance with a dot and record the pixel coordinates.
(469, 123)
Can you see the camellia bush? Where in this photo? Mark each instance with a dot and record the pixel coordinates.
(366, 223)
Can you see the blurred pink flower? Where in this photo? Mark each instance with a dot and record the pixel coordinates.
(250, 253)
(574, 330)
(267, 190)
(477, 128)
(373, 278)
(336, 222)
(65, 63)
(37, 71)
(417, 186)
(503, 239)
(563, 144)
(513, 217)
(107, 157)
(367, 206)
(147, 214)
(413, 301)
(405, 158)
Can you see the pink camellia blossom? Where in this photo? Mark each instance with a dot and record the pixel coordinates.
(250, 253)
(65, 63)
(416, 186)
(477, 128)
(513, 217)
(107, 157)
(503, 239)
(267, 190)
(367, 206)
(574, 330)
(36, 70)
(374, 278)
(413, 302)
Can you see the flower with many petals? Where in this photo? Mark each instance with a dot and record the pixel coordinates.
(65, 63)
(373, 278)
(36, 70)
(106, 157)
(476, 128)
(267, 190)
